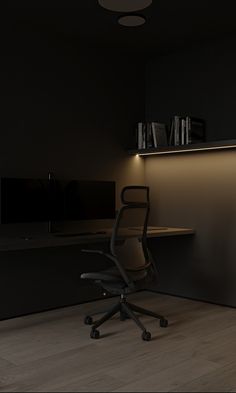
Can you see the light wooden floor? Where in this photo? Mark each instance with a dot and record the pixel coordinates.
(52, 352)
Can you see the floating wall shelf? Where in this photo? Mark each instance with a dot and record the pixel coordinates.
(206, 146)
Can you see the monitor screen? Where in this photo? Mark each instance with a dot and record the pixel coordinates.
(24, 200)
(83, 200)
(38, 200)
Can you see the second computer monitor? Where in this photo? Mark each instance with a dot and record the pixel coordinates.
(83, 200)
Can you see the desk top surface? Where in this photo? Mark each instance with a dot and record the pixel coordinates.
(8, 243)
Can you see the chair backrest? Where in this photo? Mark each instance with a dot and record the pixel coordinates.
(132, 252)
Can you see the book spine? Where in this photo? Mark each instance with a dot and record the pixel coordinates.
(153, 125)
(187, 130)
(176, 130)
(140, 135)
(183, 133)
(149, 136)
(144, 139)
(171, 133)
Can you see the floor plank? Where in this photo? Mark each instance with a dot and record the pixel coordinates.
(53, 351)
(223, 380)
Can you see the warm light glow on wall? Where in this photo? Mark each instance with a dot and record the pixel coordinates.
(138, 161)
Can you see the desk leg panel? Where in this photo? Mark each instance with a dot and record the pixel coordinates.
(42, 279)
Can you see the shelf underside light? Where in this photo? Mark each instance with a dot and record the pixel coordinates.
(143, 154)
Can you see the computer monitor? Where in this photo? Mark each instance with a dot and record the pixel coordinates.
(41, 200)
(24, 200)
(83, 200)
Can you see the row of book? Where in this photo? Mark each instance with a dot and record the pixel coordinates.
(183, 131)
(151, 135)
(186, 130)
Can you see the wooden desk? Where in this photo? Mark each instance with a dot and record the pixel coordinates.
(60, 240)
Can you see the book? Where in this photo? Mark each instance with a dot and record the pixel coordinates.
(159, 134)
(140, 135)
(149, 136)
(144, 144)
(186, 130)
(176, 130)
(198, 130)
(171, 137)
(154, 135)
(183, 132)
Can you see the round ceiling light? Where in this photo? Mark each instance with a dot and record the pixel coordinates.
(131, 20)
(125, 5)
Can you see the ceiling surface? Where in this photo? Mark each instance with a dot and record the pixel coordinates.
(170, 23)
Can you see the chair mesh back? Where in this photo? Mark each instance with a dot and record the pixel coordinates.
(132, 252)
(135, 194)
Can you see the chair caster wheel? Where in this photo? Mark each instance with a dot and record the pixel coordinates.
(95, 334)
(163, 323)
(88, 320)
(146, 336)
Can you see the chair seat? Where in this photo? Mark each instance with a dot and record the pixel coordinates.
(108, 275)
(111, 280)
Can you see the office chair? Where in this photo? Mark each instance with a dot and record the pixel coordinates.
(133, 267)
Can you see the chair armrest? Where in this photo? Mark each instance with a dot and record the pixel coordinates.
(115, 261)
(93, 251)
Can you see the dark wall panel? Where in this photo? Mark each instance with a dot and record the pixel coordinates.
(199, 82)
(70, 110)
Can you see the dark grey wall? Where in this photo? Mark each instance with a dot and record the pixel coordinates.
(196, 190)
(198, 82)
(70, 110)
